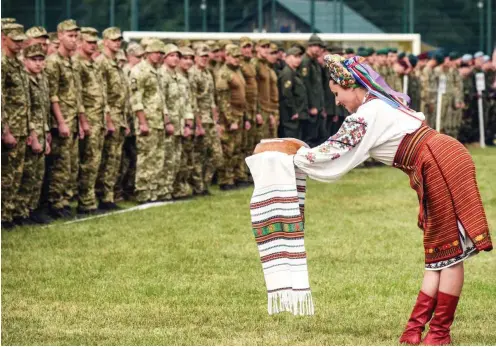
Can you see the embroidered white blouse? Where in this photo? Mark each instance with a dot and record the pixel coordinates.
(374, 131)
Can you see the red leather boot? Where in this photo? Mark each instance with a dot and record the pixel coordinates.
(439, 328)
(421, 314)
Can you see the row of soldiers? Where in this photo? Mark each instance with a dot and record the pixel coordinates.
(83, 120)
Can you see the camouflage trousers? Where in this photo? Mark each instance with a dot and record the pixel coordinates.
(64, 158)
(90, 156)
(28, 196)
(170, 165)
(182, 186)
(231, 148)
(247, 147)
(110, 164)
(451, 118)
(127, 175)
(149, 164)
(207, 158)
(12, 172)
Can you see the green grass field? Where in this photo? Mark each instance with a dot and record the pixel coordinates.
(189, 273)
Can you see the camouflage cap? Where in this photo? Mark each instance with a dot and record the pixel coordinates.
(186, 52)
(15, 31)
(224, 43)
(155, 46)
(36, 32)
(171, 48)
(233, 51)
(197, 44)
(67, 25)
(99, 43)
(183, 43)
(53, 37)
(245, 41)
(315, 40)
(273, 48)
(263, 42)
(135, 49)
(8, 20)
(89, 37)
(295, 50)
(112, 33)
(202, 51)
(89, 30)
(145, 41)
(350, 51)
(35, 50)
(120, 55)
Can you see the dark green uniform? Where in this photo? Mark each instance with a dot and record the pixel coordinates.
(333, 121)
(414, 91)
(469, 128)
(293, 100)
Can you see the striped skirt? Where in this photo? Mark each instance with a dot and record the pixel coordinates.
(451, 214)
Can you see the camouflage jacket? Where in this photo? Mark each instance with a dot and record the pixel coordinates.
(250, 74)
(147, 94)
(40, 105)
(429, 82)
(203, 89)
(16, 108)
(231, 86)
(64, 88)
(177, 98)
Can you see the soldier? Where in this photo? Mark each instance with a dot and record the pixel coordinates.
(92, 121)
(414, 84)
(53, 43)
(253, 117)
(429, 84)
(135, 53)
(311, 72)
(208, 151)
(232, 105)
(179, 123)
(349, 52)
(264, 88)
(293, 103)
(281, 58)
(189, 181)
(16, 116)
(274, 91)
(38, 35)
(28, 197)
(468, 132)
(214, 55)
(65, 99)
(116, 119)
(147, 99)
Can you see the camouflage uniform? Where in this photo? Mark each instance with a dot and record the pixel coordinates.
(232, 105)
(469, 130)
(450, 117)
(94, 106)
(208, 152)
(117, 99)
(147, 96)
(28, 197)
(16, 112)
(264, 107)
(64, 90)
(179, 110)
(429, 84)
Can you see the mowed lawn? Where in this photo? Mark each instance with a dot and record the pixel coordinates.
(189, 273)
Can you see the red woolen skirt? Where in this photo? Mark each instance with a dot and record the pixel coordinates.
(442, 173)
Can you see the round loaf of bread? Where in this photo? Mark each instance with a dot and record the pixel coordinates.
(284, 145)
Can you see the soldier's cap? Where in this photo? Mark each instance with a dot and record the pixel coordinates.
(413, 60)
(233, 51)
(53, 37)
(196, 44)
(486, 58)
(99, 44)
(263, 42)
(135, 49)
(393, 50)
(363, 53)
(245, 41)
(202, 51)
(371, 50)
(183, 43)
(35, 50)
(478, 54)
(295, 50)
(36, 32)
(423, 56)
(439, 57)
(15, 31)
(8, 20)
(67, 25)
(467, 58)
(351, 51)
(145, 41)
(224, 43)
(171, 48)
(334, 49)
(186, 52)
(463, 64)
(315, 40)
(273, 48)
(112, 33)
(155, 46)
(89, 30)
(120, 55)
(401, 55)
(454, 55)
(89, 37)
(209, 42)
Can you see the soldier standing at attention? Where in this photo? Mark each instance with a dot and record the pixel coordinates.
(92, 121)
(147, 102)
(429, 85)
(274, 91)
(179, 123)
(332, 123)
(116, 85)
(65, 98)
(293, 95)
(232, 105)
(311, 73)
(16, 117)
(263, 85)
(208, 151)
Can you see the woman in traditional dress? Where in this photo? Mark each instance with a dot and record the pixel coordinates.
(441, 171)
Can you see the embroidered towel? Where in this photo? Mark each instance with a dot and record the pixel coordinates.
(277, 214)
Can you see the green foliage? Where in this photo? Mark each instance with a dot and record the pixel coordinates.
(189, 273)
